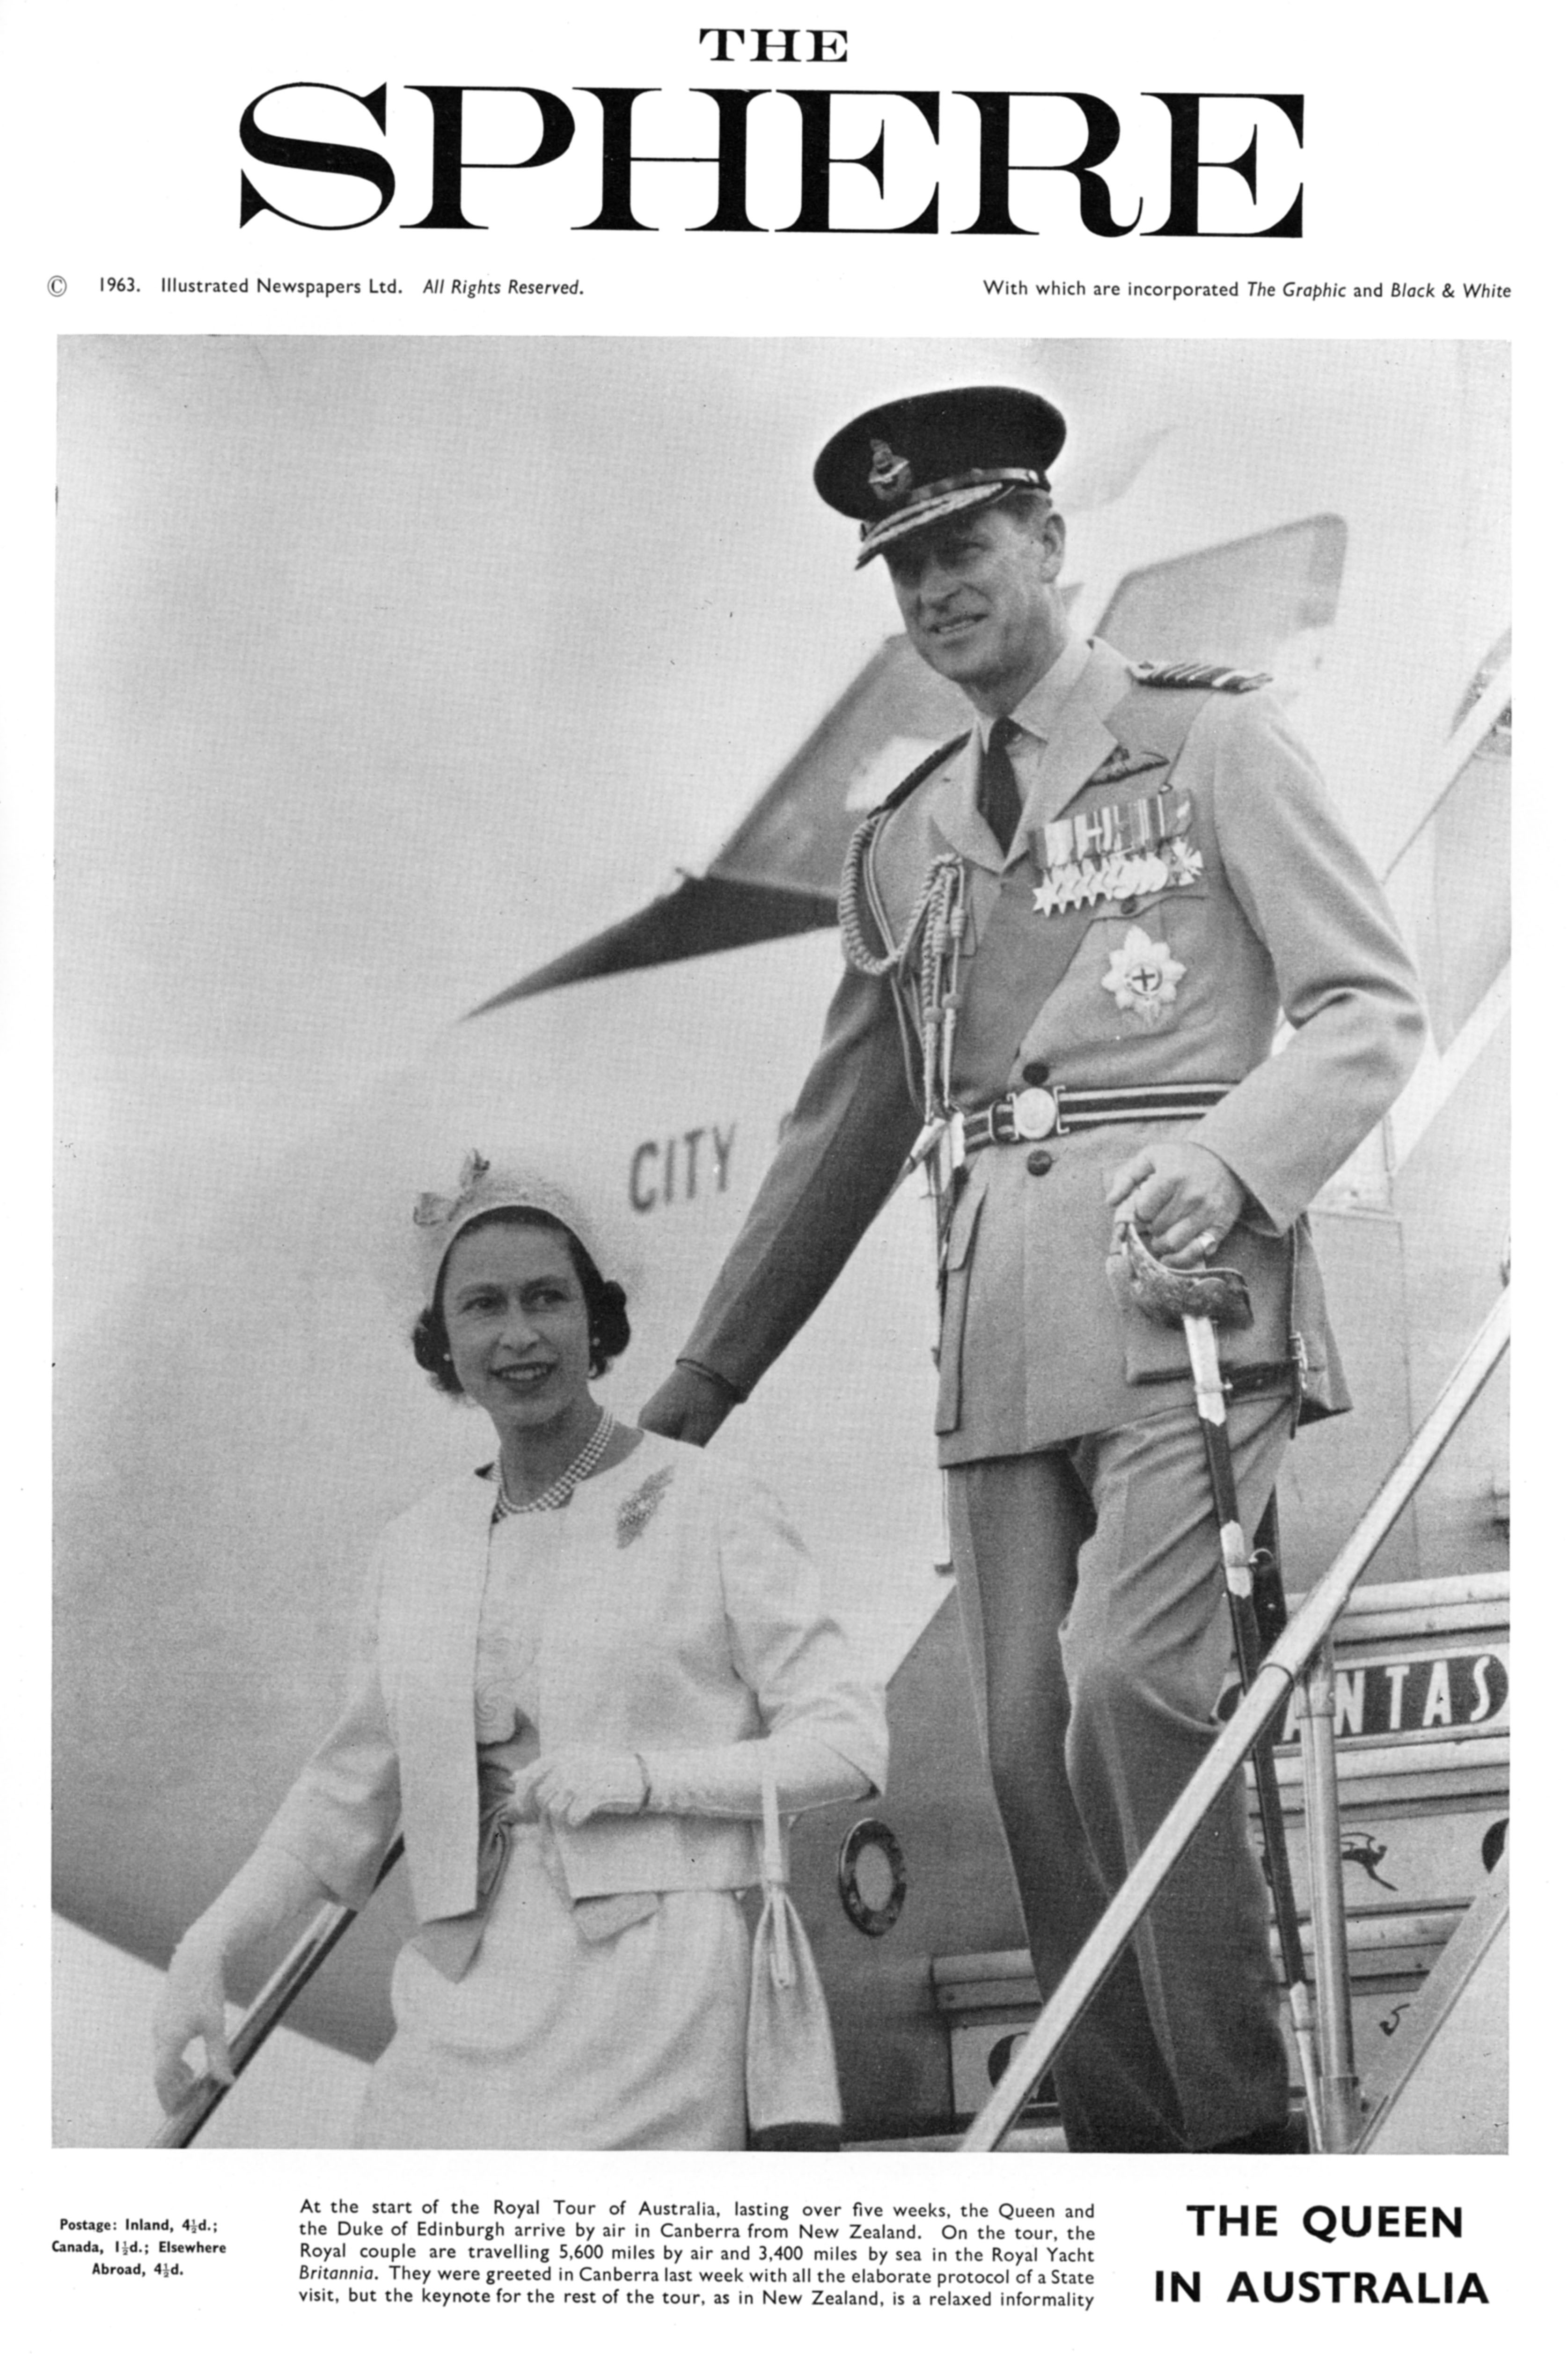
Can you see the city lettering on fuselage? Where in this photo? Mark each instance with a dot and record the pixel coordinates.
(677, 1168)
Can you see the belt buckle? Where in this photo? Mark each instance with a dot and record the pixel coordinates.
(1034, 1113)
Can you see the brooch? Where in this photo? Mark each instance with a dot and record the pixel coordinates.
(641, 1506)
(1142, 977)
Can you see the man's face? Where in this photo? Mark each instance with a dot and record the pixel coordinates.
(978, 602)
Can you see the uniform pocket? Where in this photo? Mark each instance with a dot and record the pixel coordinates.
(1172, 895)
(1159, 915)
(1150, 1351)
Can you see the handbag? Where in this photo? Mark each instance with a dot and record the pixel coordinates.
(791, 2075)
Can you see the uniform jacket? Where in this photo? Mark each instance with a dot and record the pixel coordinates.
(707, 1630)
(1038, 1345)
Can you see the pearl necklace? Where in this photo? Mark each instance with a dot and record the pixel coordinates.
(559, 1491)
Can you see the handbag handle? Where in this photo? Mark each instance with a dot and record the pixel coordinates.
(773, 1928)
(773, 1873)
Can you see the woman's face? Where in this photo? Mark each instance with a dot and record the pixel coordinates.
(517, 1324)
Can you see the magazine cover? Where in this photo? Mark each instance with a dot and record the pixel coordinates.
(762, 779)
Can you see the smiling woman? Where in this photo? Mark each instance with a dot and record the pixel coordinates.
(522, 1321)
(579, 1746)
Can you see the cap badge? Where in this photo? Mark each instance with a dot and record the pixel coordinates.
(891, 477)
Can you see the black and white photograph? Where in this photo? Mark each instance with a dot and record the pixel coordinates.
(757, 884)
(538, 804)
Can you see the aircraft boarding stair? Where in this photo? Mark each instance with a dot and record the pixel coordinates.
(1421, 1742)
(1442, 2082)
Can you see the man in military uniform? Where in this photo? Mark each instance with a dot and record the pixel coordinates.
(1068, 939)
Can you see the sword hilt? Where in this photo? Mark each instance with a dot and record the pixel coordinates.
(1170, 1294)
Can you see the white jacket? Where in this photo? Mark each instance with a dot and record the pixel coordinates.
(703, 1629)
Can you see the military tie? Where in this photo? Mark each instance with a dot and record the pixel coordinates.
(998, 798)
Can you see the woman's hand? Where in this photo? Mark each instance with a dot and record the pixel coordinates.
(270, 1888)
(191, 2005)
(569, 1786)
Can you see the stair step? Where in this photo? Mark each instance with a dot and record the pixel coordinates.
(1048, 2139)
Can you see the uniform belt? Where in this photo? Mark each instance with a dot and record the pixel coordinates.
(1030, 1113)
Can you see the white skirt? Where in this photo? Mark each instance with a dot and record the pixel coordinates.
(551, 2042)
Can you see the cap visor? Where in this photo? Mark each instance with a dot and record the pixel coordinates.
(926, 514)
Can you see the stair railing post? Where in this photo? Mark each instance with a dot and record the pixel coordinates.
(1325, 1884)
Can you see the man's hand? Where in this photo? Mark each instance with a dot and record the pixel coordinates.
(1182, 1196)
(690, 1407)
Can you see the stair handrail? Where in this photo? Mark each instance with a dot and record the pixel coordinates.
(1304, 1632)
(292, 1975)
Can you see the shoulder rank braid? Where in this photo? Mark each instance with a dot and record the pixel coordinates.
(1207, 675)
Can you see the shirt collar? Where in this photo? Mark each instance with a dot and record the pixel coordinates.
(1043, 706)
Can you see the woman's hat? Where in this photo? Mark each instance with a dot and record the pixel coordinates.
(484, 1186)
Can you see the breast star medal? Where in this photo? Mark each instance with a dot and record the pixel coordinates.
(1142, 978)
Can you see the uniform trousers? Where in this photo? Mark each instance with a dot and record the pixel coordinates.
(1098, 1635)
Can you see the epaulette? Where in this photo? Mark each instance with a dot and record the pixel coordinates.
(1205, 674)
(918, 775)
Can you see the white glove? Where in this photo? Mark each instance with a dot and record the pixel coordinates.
(191, 2004)
(265, 1893)
(569, 1786)
(727, 1780)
